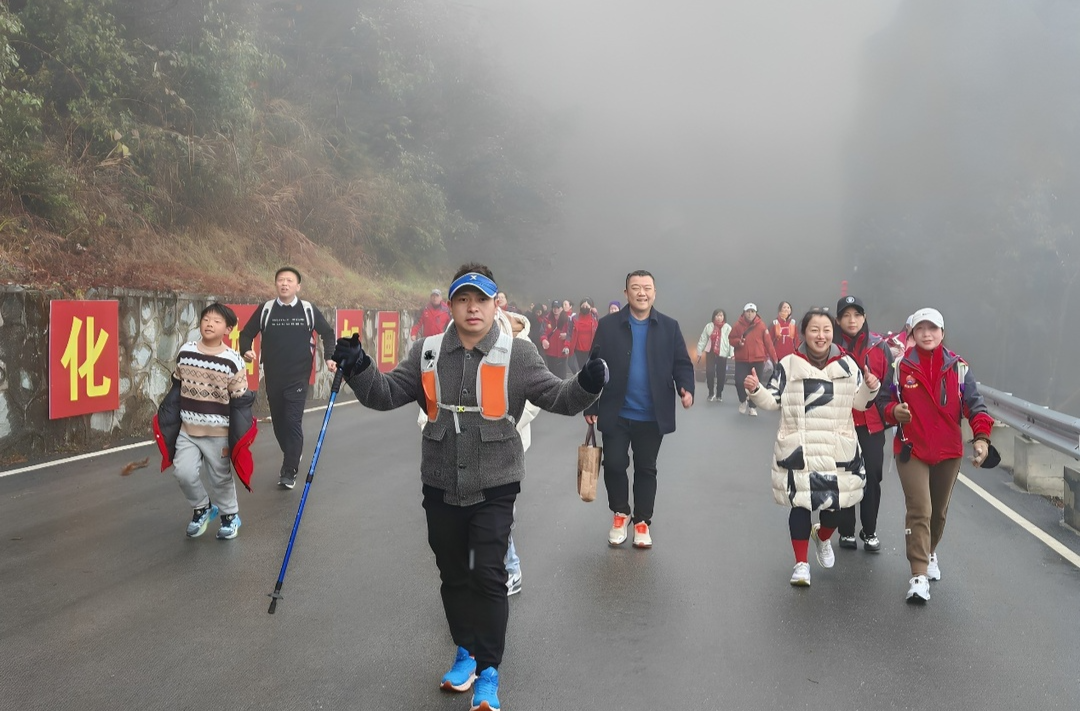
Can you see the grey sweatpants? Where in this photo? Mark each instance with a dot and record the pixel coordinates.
(193, 454)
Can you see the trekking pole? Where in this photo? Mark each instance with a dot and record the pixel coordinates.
(276, 595)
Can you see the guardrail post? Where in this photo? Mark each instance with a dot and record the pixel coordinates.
(1072, 497)
(1038, 469)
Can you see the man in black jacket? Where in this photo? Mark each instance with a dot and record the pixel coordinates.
(288, 348)
(649, 366)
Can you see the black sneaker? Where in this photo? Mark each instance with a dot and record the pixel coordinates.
(848, 542)
(287, 479)
(870, 542)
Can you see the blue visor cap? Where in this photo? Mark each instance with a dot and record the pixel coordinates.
(477, 281)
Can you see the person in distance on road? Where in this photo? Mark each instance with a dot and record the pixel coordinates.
(753, 346)
(286, 324)
(716, 348)
(871, 351)
(817, 464)
(784, 332)
(650, 370)
(932, 388)
(473, 381)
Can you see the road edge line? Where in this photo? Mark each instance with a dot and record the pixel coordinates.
(1051, 542)
(121, 448)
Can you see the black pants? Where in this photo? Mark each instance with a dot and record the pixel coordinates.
(556, 364)
(469, 543)
(715, 373)
(287, 412)
(873, 452)
(741, 371)
(644, 438)
(799, 522)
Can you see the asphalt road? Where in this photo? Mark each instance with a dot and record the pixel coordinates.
(105, 604)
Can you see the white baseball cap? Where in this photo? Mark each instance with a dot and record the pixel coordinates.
(932, 315)
(750, 307)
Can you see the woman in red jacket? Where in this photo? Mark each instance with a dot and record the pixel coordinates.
(932, 389)
(555, 342)
(750, 337)
(784, 332)
(584, 330)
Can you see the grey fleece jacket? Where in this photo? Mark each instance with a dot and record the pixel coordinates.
(486, 453)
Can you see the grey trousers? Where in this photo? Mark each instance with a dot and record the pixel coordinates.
(193, 454)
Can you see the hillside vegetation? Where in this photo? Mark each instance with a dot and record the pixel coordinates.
(197, 146)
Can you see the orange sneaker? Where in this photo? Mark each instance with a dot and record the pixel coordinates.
(642, 539)
(619, 525)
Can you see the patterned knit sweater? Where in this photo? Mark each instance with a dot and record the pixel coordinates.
(209, 379)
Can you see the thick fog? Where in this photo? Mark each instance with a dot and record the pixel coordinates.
(702, 141)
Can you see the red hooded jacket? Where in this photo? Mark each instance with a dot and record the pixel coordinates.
(939, 389)
(751, 340)
(584, 330)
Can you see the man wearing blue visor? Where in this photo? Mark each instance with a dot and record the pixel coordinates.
(472, 381)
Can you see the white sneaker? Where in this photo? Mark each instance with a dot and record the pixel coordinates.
(642, 537)
(918, 590)
(619, 524)
(742, 408)
(822, 549)
(800, 577)
(753, 412)
(933, 572)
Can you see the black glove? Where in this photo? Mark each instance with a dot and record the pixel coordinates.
(593, 376)
(350, 357)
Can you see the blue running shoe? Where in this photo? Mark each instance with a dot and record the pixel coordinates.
(200, 520)
(230, 526)
(462, 675)
(486, 694)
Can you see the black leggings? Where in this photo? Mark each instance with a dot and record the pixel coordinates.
(799, 522)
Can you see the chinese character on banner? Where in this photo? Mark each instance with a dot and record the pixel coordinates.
(349, 321)
(84, 357)
(387, 325)
(243, 313)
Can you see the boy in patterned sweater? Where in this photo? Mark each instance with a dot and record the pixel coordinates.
(211, 375)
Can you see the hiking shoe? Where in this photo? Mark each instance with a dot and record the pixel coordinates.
(287, 479)
(485, 696)
(742, 408)
(200, 519)
(753, 411)
(619, 524)
(800, 577)
(848, 542)
(933, 571)
(918, 590)
(513, 583)
(462, 674)
(230, 526)
(872, 544)
(642, 538)
(822, 549)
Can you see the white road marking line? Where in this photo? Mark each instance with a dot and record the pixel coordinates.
(110, 450)
(1022, 522)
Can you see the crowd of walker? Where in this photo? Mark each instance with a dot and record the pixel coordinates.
(481, 369)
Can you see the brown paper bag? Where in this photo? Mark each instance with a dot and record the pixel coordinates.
(588, 466)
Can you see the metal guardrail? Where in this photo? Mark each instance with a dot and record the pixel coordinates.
(1053, 429)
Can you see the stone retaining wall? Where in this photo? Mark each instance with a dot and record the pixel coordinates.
(152, 328)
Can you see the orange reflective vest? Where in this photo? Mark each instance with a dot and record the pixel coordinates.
(492, 382)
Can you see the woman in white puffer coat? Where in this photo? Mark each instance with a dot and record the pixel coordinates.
(817, 464)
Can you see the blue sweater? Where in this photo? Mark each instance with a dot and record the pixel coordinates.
(638, 404)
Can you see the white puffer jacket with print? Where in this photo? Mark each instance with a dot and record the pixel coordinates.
(817, 463)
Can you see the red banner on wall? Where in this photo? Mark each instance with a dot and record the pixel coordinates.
(387, 335)
(349, 321)
(243, 313)
(84, 357)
